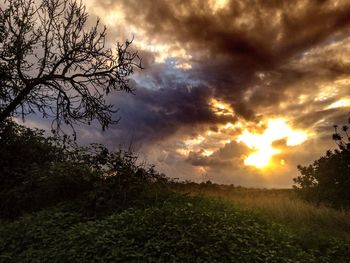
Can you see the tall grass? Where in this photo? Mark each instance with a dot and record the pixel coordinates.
(281, 205)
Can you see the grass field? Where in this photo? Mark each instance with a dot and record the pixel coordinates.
(184, 228)
(280, 205)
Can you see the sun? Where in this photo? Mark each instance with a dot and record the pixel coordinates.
(262, 143)
(261, 158)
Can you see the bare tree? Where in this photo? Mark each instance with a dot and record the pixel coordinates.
(51, 63)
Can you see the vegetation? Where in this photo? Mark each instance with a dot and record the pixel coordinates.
(38, 172)
(51, 63)
(327, 180)
(63, 203)
(279, 205)
(182, 229)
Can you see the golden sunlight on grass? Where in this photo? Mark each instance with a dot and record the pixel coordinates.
(286, 208)
(261, 144)
(281, 205)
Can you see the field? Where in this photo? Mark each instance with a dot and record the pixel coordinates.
(280, 205)
(198, 223)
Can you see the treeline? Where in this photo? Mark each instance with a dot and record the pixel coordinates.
(37, 172)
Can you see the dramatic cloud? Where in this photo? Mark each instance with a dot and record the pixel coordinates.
(218, 69)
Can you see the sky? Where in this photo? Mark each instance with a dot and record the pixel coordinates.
(236, 92)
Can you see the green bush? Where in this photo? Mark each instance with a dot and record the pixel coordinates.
(38, 171)
(327, 180)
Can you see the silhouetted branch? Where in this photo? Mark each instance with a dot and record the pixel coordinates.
(50, 63)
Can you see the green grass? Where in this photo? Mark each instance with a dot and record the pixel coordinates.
(183, 229)
(282, 206)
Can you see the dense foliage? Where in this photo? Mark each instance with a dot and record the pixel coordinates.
(183, 229)
(327, 180)
(38, 171)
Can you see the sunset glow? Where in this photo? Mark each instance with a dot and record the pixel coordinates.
(262, 157)
(261, 144)
(218, 4)
(229, 88)
(220, 107)
(339, 104)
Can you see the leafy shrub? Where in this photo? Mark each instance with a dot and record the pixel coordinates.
(183, 229)
(327, 180)
(38, 171)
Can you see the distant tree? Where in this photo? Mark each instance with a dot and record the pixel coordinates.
(52, 63)
(327, 180)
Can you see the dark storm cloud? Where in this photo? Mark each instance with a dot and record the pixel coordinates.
(156, 114)
(199, 160)
(228, 156)
(231, 46)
